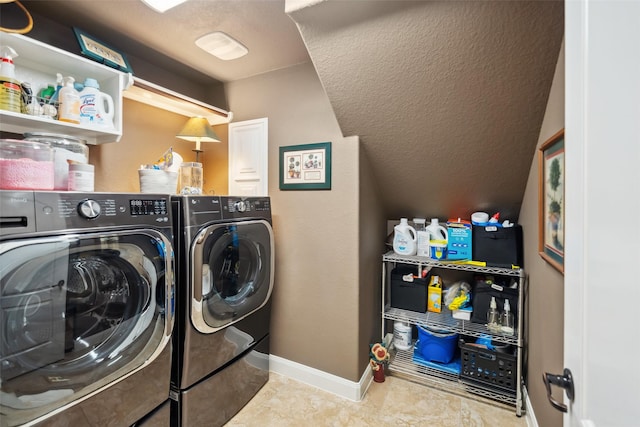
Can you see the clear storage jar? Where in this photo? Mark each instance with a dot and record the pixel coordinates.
(66, 149)
(191, 178)
(25, 165)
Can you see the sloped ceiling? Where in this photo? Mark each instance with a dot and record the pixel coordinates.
(447, 97)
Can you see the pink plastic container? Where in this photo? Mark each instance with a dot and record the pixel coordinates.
(25, 165)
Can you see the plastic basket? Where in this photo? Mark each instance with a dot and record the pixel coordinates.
(483, 366)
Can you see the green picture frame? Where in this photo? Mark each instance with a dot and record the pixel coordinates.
(306, 167)
(101, 52)
(551, 201)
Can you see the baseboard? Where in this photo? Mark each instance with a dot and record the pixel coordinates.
(530, 416)
(322, 380)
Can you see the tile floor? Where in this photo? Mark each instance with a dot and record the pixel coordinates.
(395, 402)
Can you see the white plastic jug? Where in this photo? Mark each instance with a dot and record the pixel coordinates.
(404, 238)
(96, 108)
(438, 235)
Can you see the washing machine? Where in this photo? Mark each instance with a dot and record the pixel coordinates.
(86, 307)
(225, 273)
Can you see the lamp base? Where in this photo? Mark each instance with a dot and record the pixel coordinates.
(197, 154)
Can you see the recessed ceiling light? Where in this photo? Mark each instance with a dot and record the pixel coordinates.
(221, 46)
(162, 5)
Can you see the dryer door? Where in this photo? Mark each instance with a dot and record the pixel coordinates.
(79, 314)
(231, 273)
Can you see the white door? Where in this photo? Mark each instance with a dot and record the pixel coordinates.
(248, 158)
(602, 264)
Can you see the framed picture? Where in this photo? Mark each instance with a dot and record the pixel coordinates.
(306, 167)
(101, 52)
(551, 200)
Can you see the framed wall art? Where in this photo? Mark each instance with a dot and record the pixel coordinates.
(101, 52)
(305, 167)
(551, 169)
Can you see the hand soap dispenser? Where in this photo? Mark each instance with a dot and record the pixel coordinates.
(507, 326)
(493, 316)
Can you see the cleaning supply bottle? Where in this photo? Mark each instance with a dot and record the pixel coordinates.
(92, 105)
(404, 238)
(437, 239)
(493, 316)
(506, 324)
(422, 236)
(69, 109)
(56, 94)
(10, 89)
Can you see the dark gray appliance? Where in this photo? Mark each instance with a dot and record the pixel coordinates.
(86, 307)
(225, 269)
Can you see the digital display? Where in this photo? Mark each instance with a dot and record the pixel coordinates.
(148, 207)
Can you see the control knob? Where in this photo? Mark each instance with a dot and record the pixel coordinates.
(89, 209)
(241, 206)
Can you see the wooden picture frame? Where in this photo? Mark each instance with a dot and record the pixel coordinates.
(100, 52)
(305, 167)
(551, 170)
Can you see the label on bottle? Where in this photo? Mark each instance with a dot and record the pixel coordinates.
(10, 95)
(69, 110)
(88, 110)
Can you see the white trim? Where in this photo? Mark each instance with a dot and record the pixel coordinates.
(322, 380)
(530, 416)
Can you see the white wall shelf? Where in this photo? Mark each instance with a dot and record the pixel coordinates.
(38, 63)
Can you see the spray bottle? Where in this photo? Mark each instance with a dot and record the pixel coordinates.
(10, 89)
(69, 110)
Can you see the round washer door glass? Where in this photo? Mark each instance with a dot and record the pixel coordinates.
(233, 272)
(77, 314)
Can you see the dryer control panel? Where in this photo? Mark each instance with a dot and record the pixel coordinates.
(245, 207)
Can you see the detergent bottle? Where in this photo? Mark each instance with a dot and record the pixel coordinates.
(437, 239)
(92, 105)
(404, 238)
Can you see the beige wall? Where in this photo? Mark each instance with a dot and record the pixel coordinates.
(546, 285)
(316, 318)
(372, 224)
(147, 133)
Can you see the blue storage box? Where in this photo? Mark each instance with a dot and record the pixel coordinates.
(435, 345)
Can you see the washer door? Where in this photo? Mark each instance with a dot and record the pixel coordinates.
(79, 314)
(231, 273)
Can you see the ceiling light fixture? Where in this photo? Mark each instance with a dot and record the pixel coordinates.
(221, 46)
(198, 129)
(162, 5)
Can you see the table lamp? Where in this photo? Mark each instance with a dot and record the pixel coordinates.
(197, 129)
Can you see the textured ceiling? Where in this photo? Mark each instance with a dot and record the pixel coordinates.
(262, 26)
(447, 97)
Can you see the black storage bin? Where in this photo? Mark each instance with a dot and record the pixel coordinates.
(499, 246)
(481, 366)
(408, 295)
(484, 289)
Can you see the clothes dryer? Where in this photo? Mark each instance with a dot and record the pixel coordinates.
(86, 307)
(225, 264)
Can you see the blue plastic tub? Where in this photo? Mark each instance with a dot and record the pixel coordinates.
(435, 345)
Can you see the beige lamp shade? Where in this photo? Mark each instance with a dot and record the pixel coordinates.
(198, 130)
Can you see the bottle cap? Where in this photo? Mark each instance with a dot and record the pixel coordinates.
(89, 82)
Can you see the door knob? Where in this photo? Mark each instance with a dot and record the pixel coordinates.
(564, 381)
